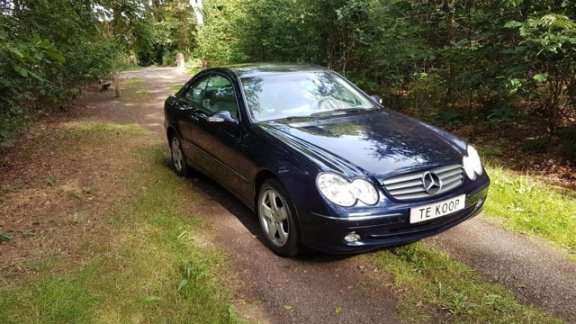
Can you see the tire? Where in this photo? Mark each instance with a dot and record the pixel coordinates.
(277, 219)
(178, 158)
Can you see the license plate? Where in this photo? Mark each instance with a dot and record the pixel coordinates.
(439, 209)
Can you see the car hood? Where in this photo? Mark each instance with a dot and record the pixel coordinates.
(380, 143)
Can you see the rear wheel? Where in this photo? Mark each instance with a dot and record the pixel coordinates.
(277, 219)
(178, 158)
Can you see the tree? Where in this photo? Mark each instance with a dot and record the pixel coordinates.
(48, 50)
(548, 49)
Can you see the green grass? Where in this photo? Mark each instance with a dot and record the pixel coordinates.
(149, 267)
(531, 206)
(193, 70)
(5, 235)
(193, 66)
(55, 299)
(134, 83)
(433, 287)
(135, 90)
(99, 132)
(176, 87)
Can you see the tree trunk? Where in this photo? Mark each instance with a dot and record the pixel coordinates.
(197, 7)
(115, 79)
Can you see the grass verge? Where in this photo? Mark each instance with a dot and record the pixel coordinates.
(147, 268)
(531, 206)
(175, 87)
(435, 288)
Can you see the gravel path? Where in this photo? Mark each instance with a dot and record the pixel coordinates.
(319, 288)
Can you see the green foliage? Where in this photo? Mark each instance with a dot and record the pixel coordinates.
(449, 117)
(48, 50)
(12, 122)
(325, 32)
(277, 30)
(219, 40)
(536, 144)
(501, 59)
(567, 138)
(153, 30)
(548, 46)
(502, 114)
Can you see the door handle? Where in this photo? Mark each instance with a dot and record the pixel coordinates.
(198, 115)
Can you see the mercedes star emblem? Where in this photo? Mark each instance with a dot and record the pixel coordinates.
(431, 182)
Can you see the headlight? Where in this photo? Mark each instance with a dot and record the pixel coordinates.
(471, 163)
(345, 193)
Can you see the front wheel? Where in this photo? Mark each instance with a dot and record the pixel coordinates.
(277, 219)
(178, 158)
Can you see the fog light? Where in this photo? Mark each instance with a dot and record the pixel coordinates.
(351, 238)
(479, 203)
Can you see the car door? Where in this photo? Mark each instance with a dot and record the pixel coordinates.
(215, 131)
(189, 104)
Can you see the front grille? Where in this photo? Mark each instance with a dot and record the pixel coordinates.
(411, 186)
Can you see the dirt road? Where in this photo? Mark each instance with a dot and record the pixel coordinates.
(324, 289)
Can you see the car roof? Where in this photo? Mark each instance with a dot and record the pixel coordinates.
(244, 70)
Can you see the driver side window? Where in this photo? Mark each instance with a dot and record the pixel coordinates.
(196, 92)
(213, 93)
(220, 96)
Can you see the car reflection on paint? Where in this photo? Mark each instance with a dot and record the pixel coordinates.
(321, 163)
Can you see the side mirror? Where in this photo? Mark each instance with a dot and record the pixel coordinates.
(222, 116)
(377, 99)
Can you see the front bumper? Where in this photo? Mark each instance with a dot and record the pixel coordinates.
(326, 233)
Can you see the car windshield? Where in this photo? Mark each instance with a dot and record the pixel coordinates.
(301, 94)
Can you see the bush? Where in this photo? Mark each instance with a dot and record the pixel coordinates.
(46, 63)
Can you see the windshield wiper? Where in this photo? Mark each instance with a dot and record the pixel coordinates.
(327, 113)
(341, 111)
(297, 117)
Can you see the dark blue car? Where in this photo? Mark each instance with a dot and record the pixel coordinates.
(322, 164)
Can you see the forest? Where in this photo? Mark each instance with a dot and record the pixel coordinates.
(490, 65)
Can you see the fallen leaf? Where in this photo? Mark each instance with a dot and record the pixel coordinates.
(152, 298)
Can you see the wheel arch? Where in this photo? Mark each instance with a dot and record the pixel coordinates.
(259, 180)
(170, 132)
